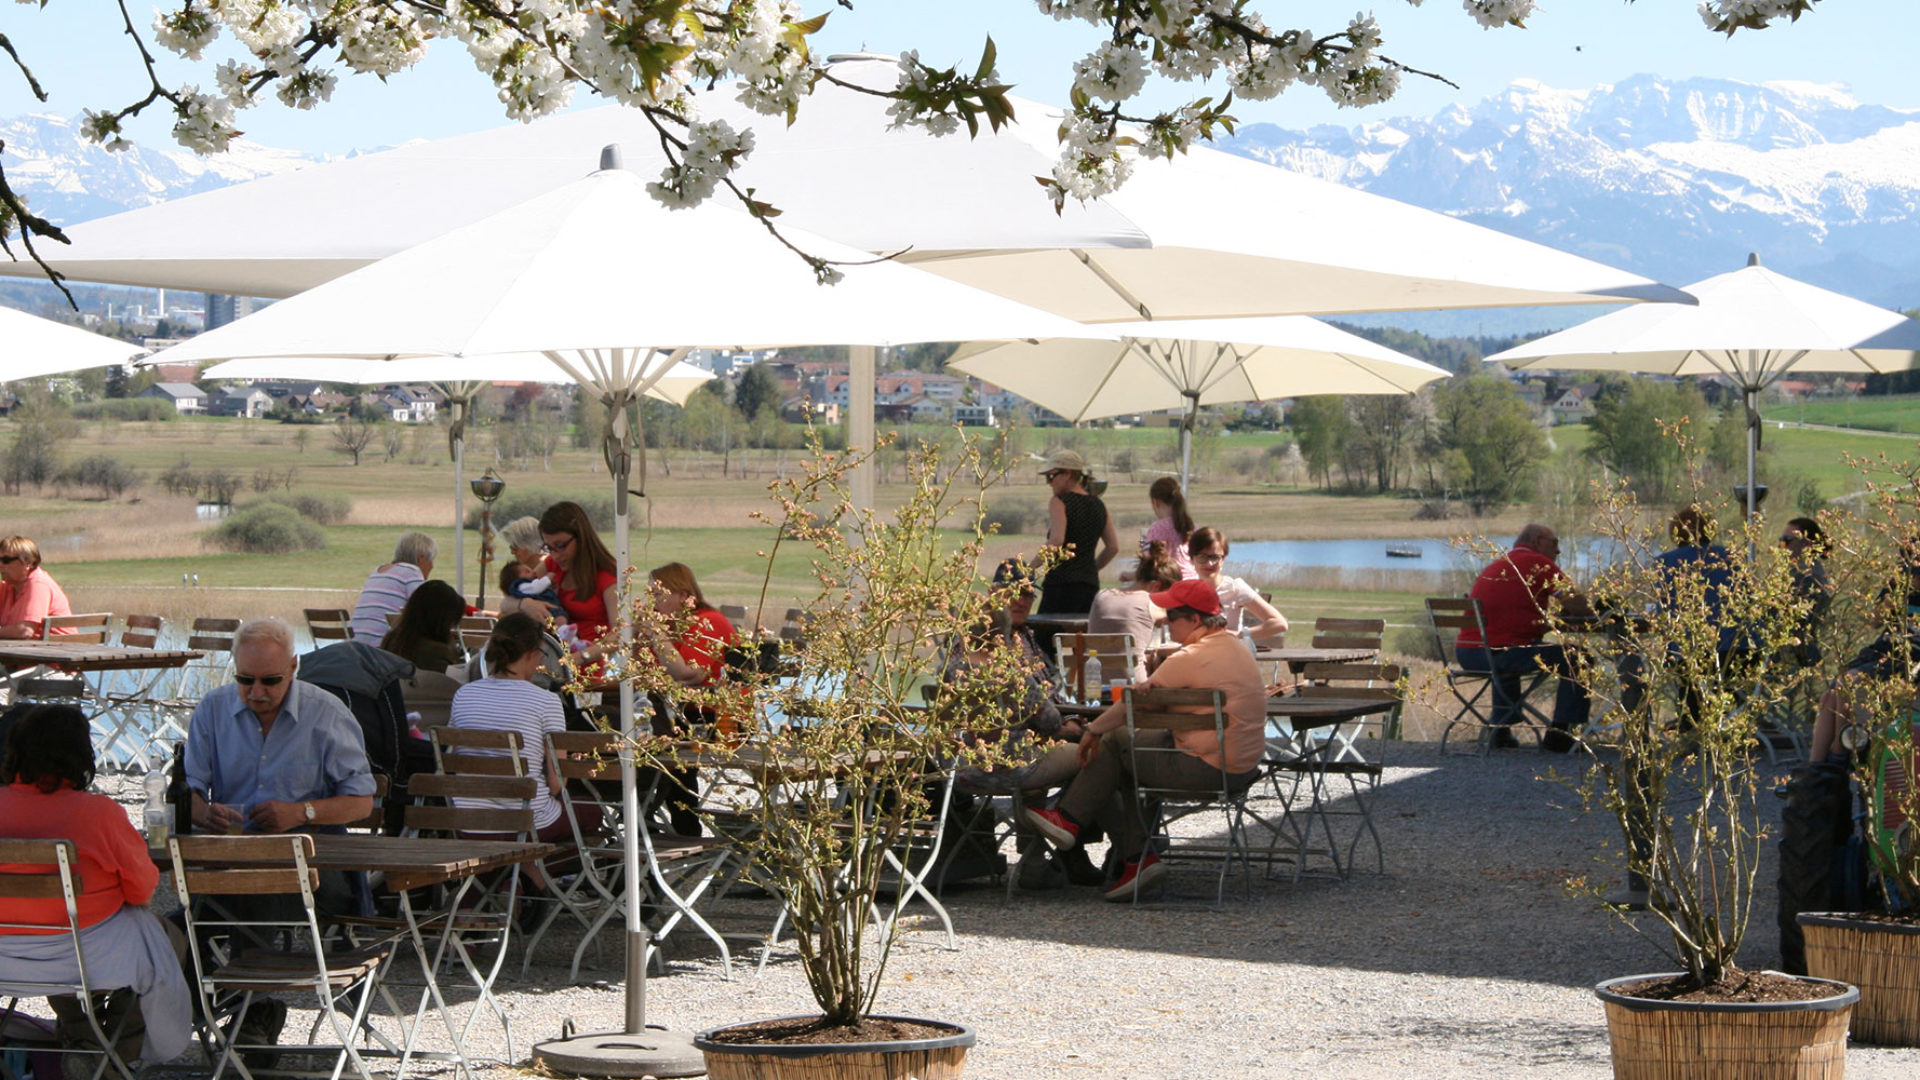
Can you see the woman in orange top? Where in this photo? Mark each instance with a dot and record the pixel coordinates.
(48, 766)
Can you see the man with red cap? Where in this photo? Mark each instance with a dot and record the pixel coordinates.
(1210, 657)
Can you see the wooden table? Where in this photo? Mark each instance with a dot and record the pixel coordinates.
(114, 714)
(79, 658)
(1301, 714)
(1298, 657)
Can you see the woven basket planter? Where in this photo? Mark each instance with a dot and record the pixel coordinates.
(1688, 1040)
(941, 1058)
(1882, 959)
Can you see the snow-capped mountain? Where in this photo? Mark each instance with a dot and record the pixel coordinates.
(1676, 179)
(67, 179)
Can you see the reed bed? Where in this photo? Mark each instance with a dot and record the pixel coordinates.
(181, 605)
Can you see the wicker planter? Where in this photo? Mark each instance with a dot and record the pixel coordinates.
(940, 1058)
(1882, 959)
(1689, 1040)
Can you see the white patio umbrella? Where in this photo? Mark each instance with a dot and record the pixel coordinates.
(1751, 325)
(31, 346)
(601, 281)
(1190, 363)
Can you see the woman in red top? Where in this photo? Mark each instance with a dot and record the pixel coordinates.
(697, 657)
(585, 574)
(48, 767)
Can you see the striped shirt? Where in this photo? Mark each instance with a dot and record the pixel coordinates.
(384, 594)
(514, 705)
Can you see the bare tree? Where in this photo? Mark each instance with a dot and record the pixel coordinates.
(351, 436)
(301, 436)
(395, 438)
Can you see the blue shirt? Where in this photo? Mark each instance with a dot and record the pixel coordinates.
(1713, 566)
(315, 751)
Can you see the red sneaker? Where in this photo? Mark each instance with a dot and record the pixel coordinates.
(1139, 875)
(1054, 825)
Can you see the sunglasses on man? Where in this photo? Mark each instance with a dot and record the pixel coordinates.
(9, 560)
(263, 680)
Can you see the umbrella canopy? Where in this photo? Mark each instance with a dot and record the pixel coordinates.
(31, 346)
(1162, 365)
(1205, 235)
(1751, 325)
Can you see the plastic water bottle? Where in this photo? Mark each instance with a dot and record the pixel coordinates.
(158, 815)
(1094, 678)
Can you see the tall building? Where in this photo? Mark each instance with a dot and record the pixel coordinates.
(223, 309)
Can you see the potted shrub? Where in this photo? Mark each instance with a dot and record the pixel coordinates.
(1694, 658)
(840, 757)
(1877, 948)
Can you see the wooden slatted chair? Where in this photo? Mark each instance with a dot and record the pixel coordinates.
(342, 984)
(1330, 633)
(474, 631)
(680, 872)
(48, 870)
(1117, 655)
(1475, 690)
(1161, 808)
(329, 624)
(90, 628)
(143, 631)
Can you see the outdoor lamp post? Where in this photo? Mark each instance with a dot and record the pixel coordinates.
(486, 487)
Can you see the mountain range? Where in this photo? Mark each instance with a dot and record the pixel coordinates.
(1674, 179)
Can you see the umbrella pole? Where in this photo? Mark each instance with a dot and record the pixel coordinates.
(1753, 446)
(636, 1050)
(1186, 439)
(457, 436)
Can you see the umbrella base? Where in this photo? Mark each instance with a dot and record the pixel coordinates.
(653, 1052)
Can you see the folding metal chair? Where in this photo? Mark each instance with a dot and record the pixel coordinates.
(1330, 633)
(329, 624)
(1477, 691)
(1160, 807)
(680, 870)
(45, 871)
(734, 613)
(474, 632)
(267, 954)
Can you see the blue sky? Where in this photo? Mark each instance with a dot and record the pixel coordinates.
(78, 53)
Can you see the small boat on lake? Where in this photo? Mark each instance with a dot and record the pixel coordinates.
(1404, 551)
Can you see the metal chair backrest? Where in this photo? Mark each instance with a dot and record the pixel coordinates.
(491, 818)
(329, 624)
(477, 752)
(45, 870)
(142, 631)
(1117, 658)
(1450, 615)
(734, 613)
(1170, 710)
(1329, 633)
(212, 635)
(91, 628)
(474, 632)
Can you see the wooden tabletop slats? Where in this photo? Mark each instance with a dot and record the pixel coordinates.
(78, 657)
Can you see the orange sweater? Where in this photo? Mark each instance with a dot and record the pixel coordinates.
(112, 860)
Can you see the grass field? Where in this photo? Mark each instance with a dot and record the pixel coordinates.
(132, 555)
(1892, 412)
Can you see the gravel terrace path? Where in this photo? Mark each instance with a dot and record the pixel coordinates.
(1466, 959)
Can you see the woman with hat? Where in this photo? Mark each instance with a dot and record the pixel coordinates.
(1078, 522)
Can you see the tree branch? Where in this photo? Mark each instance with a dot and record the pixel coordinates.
(32, 83)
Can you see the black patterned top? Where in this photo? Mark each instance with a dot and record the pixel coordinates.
(1086, 523)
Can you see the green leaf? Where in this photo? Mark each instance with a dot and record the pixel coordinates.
(987, 58)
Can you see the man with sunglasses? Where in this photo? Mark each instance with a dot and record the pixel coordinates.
(287, 752)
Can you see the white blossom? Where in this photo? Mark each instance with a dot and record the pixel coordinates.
(1497, 13)
(713, 149)
(187, 31)
(1112, 72)
(103, 128)
(205, 121)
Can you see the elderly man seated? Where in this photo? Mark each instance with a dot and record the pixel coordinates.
(1210, 657)
(391, 584)
(1515, 591)
(267, 753)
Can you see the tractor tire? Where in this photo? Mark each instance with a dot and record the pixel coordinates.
(1813, 839)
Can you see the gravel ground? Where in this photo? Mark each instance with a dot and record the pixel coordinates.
(1465, 959)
